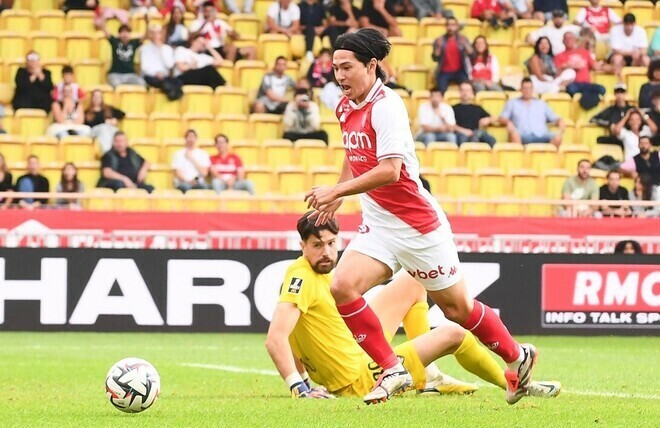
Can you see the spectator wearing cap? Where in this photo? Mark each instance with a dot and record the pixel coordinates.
(629, 46)
(271, 97)
(33, 85)
(380, 15)
(452, 52)
(545, 10)
(123, 167)
(122, 69)
(302, 119)
(227, 170)
(599, 19)
(190, 165)
(580, 187)
(613, 114)
(526, 118)
(646, 162)
(612, 191)
(581, 61)
(554, 30)
(652, 87)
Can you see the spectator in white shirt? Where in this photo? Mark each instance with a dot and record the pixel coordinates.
(156, 59)
(436, 119)
(191, 165)
(271, 97)
(599, 19)
(554, 30)
(629, 46)
(219, 33)
(194, 68)
(283, 17)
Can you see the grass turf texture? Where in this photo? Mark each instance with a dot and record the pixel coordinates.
(56, 379)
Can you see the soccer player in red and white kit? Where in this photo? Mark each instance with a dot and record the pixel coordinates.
(403, 225)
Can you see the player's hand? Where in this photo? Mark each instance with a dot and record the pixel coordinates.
(316, 392)
(325, 215)
(320, 196)
(300, 390)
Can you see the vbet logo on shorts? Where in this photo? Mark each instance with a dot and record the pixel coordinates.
(592, 296)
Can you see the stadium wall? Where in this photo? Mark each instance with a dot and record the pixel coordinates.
(236, 291)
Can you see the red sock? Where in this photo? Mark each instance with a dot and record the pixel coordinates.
(488, 327)
(368, 332)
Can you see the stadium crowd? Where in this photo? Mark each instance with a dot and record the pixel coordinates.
(506, 97)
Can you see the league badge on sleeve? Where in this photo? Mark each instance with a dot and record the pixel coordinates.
(296, 284)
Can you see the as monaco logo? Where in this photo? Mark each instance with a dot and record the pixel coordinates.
(356, 140)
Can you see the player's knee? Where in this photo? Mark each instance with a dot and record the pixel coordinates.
(457, 312)
(342, 291)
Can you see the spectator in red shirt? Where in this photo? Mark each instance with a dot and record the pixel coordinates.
(580, 60)
(227, 169)
(495, 12)
(452, 53)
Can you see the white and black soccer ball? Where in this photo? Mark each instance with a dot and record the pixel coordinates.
(132, 385)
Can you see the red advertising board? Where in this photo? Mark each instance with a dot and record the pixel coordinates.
(580, 295)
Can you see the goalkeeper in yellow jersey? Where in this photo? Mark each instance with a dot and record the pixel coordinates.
(308, 339)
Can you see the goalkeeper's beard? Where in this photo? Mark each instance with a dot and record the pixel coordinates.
(324, 266)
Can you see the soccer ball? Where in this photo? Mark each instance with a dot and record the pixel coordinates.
(132, 385)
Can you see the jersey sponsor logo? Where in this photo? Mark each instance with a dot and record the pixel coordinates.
(357, 158)
(356, 140)
(295, 285)
(430, 274)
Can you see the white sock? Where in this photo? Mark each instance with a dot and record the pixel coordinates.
(432, 371)
(514, 365)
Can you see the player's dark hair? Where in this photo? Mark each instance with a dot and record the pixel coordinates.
(207, 4)
(583, 160)
(613, 171)
(366, 43)
(620, 246)
(306, 227)
(525, 80)
(215, 140)
(123, 27)
(435, 89)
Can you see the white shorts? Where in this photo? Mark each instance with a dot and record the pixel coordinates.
(432, 259)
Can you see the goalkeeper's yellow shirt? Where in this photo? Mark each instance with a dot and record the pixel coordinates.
(320, 339)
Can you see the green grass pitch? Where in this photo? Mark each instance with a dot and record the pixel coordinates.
(56, 380)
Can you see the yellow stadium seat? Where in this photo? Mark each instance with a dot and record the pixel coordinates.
(138, 22)
(409, 27)
(201, 200)
(492, 102)
(522, 52)
(236, 201)
(414, 77)
(262, 177)
(491, 182)
(541, 156)
(475, 155)
(30, 122)
(524, 27)
(324, 176)
(165, 125)
(78, 149)
(553, 182)
(16, 20)
(643, 11)
(235, 126)
(650, 28)
(418, 97)
(132, 99)
(606, 79)
(432, 28)
(504, 36)
(48, 45)
(433, 177)
(634, 77)
(457, 182)
(461, 9)
(6, 93)
(12, 45)
(588, 133)
(424, 52)
(291, 180)
(226, 70)
(261, 10)
(79, 46)
(337, 154)
(161, 104)
(50, 21)
(231, 100)
(107, 91)
(148, 148)
(524, 186)
(203, 123)
(443, 156)
(89, 72)
(55, 66)
(13, 148)
(423, 156)
(508, 156)
(561, 103)
(133, 200)
(160, 176)
(101, 200)
(245, 24)
(135, 125)
(471, 28)
(403, 52)
(52, 171)
(47, 149)
(298, 45)
(248, 150)
(172, 200)
(331, 126)
(570, 155)
(271, 46)
(197, 99)
(89, 173)
(171, 146)
(600, 150)
(265, 126)
(278, 152)
(81, 21)
(574, 6)
(310, 153)
(248, 74)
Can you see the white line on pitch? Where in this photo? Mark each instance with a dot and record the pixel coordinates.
(235, 369)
